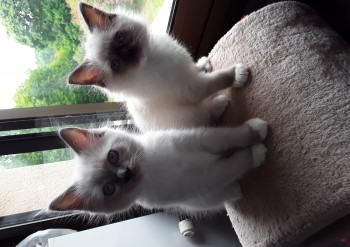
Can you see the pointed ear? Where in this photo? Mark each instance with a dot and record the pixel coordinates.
(86, 74)
(69, 200)
(80, 140)
(96, 18)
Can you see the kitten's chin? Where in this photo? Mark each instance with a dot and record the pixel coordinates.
(112, 209)
(134, 180)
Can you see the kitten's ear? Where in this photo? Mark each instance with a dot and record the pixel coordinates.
(80, 140)
(86, 74)
(96, 18)
(69, 200)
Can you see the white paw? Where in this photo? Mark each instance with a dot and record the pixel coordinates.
(259, 154)
(204, 64)
(220, 103)
(241, 75)
(258, 125)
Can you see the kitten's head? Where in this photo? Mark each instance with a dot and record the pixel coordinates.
(107, 171)
(116, 45)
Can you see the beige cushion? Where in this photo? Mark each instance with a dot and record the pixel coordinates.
(300, 84)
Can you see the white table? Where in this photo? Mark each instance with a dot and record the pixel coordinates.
(153, 231)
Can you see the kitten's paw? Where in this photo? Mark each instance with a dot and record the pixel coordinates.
(259, 154)
(219, 105)
(204, 64)
(241, 75)
(258, 125)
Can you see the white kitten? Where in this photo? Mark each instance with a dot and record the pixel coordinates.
(192, 170)
(154, 74)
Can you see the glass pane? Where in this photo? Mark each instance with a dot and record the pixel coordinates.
(32, 187)
(29, 181)
(34, 158)
(41, 45)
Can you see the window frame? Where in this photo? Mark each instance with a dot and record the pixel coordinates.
(40, 117)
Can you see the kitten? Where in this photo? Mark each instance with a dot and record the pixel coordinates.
(153, 73)
(189, 170)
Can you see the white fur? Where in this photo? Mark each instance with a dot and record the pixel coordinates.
(259, 125)
(241, 75)
(204, 64)
(188, 170)
(167, 89)
(259, 153)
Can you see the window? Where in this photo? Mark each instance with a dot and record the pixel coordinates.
(35, 99)
(40, 46)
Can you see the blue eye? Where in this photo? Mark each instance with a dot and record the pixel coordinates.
(115, 64)
(119, 37)
(113, 157)
(108, 189)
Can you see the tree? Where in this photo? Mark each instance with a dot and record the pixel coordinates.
(46, 86)
(39, 23)
(44, 56)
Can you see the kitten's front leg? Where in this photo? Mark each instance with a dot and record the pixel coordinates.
(210, 83)
(218, 140)
(221, 177)
(251, 132)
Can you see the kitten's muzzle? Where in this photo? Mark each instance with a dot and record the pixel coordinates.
(125, 174)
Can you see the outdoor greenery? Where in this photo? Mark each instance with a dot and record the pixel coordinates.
(35, 158)
(46, 85)
(51, 27)
(39, 24)
(46, 26)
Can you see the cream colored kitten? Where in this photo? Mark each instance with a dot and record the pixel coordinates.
(155, 75)
(191, 170)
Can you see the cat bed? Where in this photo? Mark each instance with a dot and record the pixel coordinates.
(300, 84)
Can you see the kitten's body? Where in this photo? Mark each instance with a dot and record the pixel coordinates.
(162, 87)
(188, 170)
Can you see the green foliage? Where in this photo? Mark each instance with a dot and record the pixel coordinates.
(36, 158)
(78, 54)
(46, 26)
(44, 56)
(150, 9)
(39, 23)
(46, 86)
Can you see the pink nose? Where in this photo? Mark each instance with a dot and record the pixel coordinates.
(345, 240)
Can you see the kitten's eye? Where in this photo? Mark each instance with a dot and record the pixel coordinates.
(124, 173)
(115, 64)
(113, 157)
(108, 189)
(119, 37)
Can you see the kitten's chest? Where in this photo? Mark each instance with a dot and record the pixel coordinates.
(153, 115)
(169, 176)
(172, 165)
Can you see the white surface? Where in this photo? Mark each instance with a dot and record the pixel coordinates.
(153, 231)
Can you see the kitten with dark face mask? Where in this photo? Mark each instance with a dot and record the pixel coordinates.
(153, 73)
(191, 170)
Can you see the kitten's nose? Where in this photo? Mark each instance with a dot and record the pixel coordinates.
(125, 51)
(124, 173)
(128, 53)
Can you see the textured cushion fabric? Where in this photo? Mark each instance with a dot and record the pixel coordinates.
(300, 84)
